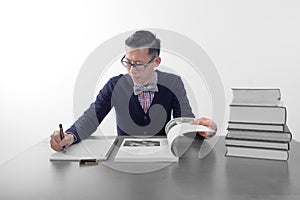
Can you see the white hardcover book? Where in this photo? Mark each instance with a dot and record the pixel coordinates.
(260, 135)
(261, 144)
(256, 96)
(251, 126)
(257, 153)
(258, 114)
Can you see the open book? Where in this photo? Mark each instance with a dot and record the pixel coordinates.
(153, 149)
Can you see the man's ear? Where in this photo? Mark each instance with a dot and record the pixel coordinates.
(157, 61)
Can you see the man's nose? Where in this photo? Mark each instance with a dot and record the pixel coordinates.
(132, 69)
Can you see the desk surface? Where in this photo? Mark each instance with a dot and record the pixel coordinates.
(32, 176)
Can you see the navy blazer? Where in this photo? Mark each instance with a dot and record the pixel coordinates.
(170, 100)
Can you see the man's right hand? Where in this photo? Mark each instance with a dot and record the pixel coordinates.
(57, 144)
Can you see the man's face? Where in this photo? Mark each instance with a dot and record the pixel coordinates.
(141, 56)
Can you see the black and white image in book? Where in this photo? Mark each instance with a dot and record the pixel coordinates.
(142, 143)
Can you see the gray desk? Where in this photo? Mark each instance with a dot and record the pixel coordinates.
(32, 176)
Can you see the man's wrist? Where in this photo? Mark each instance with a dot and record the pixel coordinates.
(74, 136)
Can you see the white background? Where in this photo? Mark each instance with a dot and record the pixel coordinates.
(253, 43)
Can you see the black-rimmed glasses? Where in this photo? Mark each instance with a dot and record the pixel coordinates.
(138, 67)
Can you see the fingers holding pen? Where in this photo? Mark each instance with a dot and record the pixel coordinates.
(55, 141)
(67, 141)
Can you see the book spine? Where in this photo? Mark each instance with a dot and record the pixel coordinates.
(256, 131)
(256, 147)
(256, 157)
(257, 143)
(255, 140)
(258, 139)
(256, 96)
(248, 157)
(249, 114)
(260, 135)
(255, 126)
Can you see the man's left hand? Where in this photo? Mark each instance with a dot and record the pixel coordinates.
(206, 122)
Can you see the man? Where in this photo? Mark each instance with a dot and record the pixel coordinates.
(144, 99)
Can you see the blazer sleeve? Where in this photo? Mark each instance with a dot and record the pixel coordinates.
(181, 105)
(89, 121)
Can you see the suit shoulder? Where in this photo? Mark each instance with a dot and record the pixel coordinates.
(167, 76)
(116, 78)
(113, 80)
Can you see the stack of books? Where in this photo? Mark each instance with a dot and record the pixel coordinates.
(257, 125)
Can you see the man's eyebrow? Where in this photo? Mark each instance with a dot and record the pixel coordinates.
(134, 60)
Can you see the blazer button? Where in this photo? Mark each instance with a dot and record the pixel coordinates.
(145, 117)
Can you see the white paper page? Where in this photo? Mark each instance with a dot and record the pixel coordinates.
(145, 150)
(183, 128)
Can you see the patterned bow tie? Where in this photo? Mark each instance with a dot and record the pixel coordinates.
(140, 88)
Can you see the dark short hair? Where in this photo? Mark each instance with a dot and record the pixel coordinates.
(144, 39)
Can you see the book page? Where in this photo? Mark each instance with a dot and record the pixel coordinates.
(145, 150)
(179, 130)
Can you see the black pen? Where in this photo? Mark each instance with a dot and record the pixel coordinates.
(62, 135)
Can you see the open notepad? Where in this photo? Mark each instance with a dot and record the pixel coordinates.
(151, 149)
(90, 148)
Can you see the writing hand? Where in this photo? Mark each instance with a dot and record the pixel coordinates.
(57, 144)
